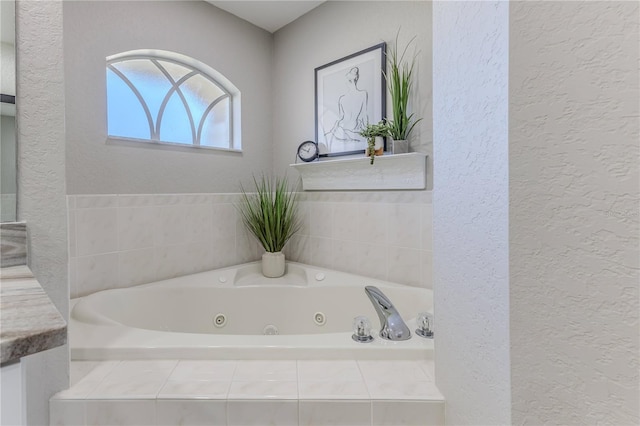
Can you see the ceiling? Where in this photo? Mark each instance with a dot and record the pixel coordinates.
(266, 14)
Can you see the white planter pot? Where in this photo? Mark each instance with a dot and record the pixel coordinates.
(273, 264)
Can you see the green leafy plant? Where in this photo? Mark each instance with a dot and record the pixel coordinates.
(371, 131)
(271, 213)
(399, 84)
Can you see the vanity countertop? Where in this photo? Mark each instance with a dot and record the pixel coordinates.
(29, 321)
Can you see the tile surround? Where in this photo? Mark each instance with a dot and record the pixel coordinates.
(125, 240)
(303, 392)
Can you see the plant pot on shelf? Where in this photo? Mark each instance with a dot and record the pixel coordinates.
(398, 147)
(273, 264)
(378, 148)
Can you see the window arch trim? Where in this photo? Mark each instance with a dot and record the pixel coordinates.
(229, 90)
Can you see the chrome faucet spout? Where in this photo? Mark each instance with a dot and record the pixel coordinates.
(392, 327)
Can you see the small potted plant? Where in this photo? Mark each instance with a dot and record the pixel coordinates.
(374, 134)
(399, 84)
(271, 215)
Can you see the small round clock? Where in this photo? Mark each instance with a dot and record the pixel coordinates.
(308, 151)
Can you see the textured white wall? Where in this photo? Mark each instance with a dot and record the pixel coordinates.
(470, 210)
(329, 32)
(574, 212)
(237, 49)
(41, 181)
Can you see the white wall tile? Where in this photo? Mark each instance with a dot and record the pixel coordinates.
(204, 370)
(372, 260)
(144, 385)
(260, 413)
(96, 231)
(404, 225)
(198, 257)
(196, 198)
(199, 223)
(321, 219)
(194, 389)
(167, 199)
(85, 385)
(426, 227)
(121, 413)
(404, 265)
(298, 249)
(167, 222)
(345, 221)
(410, 413)
(191, 412)
(247, 247)
(321, 252)
(137, 267)
(305, 217)
(71, 223)
(223, 251)
(372, 223)
(171, 224)
(96, 273)
(334, 370)
(321, 413)
(426, 262)
(399, 371)
(224, 220)
(265, 370)
(135, 200)
(96, 201)
(263, 389)
(136, 227)
(172, 261)
(345, 256)
(333, 390)
(74, 290)
(66, 412)
(414, 390)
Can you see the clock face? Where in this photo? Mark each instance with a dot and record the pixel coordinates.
(308, 151)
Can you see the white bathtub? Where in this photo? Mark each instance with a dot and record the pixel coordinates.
(176, 318)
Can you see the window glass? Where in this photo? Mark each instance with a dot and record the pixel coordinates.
(163, 97)
(126, 114)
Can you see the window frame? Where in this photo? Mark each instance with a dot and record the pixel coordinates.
(230, 91)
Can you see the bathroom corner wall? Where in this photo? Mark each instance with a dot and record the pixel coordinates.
(574, 234)
(124, 240)
(41, 182)
(471, 210)
(383, 235)
(331, 31)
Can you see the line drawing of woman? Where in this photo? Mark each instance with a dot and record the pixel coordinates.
(352, 114)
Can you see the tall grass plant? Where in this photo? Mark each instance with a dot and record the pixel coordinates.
(271, 212)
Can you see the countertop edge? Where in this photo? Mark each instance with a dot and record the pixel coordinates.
(30, 321)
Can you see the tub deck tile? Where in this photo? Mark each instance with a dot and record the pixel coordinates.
(283, 392)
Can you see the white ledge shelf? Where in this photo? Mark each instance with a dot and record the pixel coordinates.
(388, 172)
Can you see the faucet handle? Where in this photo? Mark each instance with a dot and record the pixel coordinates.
(425, 325)
(362, 330)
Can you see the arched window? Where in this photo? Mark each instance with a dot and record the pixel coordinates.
(165, 97)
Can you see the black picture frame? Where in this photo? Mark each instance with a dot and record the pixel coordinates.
(350, 93)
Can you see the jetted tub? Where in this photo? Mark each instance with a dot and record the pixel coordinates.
(236, 313)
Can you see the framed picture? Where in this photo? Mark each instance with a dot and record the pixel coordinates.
(350, 93)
